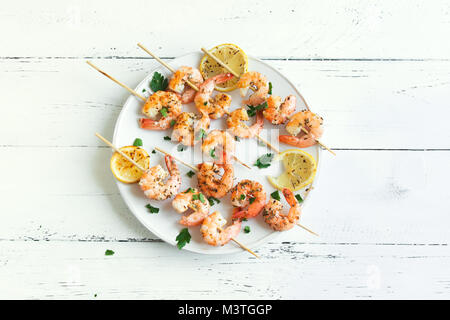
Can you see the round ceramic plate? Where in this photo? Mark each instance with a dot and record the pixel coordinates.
(165, 224)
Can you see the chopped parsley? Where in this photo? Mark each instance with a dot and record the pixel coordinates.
(158, 82)
(212, 200)
(275, 195)
(163, 112)
(152, 209)
(270, 88)
(299, 198)
(251, 200)
(237, 138)
(264, 161)
(137, 142)
(190, 174)
(201, 134)
(181, 148)
(247, 229)
(153, 151)
(242, 196)
(182, 238)
(172, 123)
(199, 196)
(189, 190)
(167, 138)
(212, 153)
(109, 252)
(253, 110)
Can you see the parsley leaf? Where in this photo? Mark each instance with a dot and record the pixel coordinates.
(299, 198)
(163, 112)
(181, 148)
(172, 123)
(211, 201)
(242, 196)
(270, 88)
(153, 151)
(247, 229)
(212, 153)
(182, 238)
(152, 209)
(264, 161)
(201, 134)
(167, 138)
(201, 197)
(190, 174)
(253, 110)
(237, 138)
(158, 82)
(109, 252)
(251, 200)
(137, 142)
(275, 195)
(189, 190)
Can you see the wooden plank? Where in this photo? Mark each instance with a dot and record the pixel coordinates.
(306, 29)
(80, 270)
(361, 197)
(366, 104)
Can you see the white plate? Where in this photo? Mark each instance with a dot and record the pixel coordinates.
(165, 223)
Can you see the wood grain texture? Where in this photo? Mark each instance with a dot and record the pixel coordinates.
(406, 29)
(379, 73)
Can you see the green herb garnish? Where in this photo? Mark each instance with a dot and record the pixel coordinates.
(182, 238)
(251, 200)
(137, 142)
(275, 195)
(152, 209)
(212, 153)
(237, 138)
(158, 82)
(189, 190)
(190, 174)
(264, 161)
(253, 110)
(212, 200)
(181, 148)
(201, 134)
(109, 252)
(270, 88)
(172, 123)
(247, 229)
(299, 198)
(167, 138)
(242, 196)
(163, 112)
(153, 151)
(201, 197)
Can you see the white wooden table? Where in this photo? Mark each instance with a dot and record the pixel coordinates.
(378, 71)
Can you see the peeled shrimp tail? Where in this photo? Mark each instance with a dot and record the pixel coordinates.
(150, 124)
(299, 142)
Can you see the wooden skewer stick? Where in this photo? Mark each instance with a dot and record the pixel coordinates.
(193, 86)
(305, 228)
(137, 165)
(237, 75)
(143, 170)
(179, 160)
(117, 81)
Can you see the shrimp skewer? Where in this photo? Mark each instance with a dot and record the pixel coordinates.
(194, 200)
(193, 86)
(259, 137)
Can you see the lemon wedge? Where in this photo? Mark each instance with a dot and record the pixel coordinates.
(231, 55)
(124, 170)
(300, 169)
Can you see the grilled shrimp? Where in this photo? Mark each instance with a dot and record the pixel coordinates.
(278, 221)
(190, 127)
(168, 104)
(256, 81)
(277, 112)
(250, 197)
(237, 126)
(220, 145)
(215, 107)
(192, 200)
(152, 181)
(303, 119)
(211, 183)
(178, 83)
(213, 233)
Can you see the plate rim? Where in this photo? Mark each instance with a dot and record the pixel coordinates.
(236, 249)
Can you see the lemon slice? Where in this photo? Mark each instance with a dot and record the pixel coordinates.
(231, 55)
(300, 169)
(123, 169)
